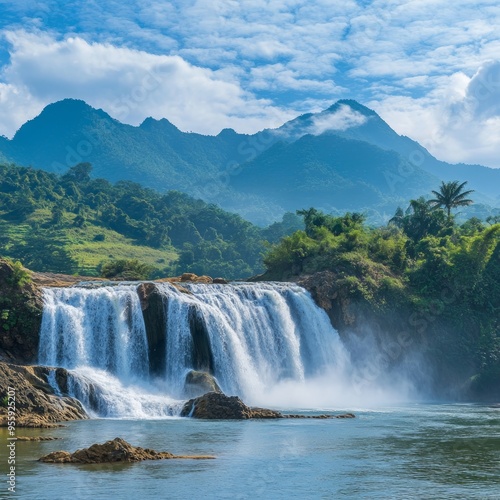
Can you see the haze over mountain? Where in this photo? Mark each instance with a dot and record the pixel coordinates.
(344, 158)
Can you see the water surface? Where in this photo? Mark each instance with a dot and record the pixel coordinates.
(414, 451)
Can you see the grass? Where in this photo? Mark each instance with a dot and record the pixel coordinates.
(84, 245)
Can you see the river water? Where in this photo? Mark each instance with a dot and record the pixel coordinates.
(412, 451)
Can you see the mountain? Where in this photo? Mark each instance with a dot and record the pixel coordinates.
(369, 127)
(345, 157)
(332, 173)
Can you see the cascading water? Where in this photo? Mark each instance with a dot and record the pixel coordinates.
(252, 337)
(100, 327)
(259, 335)
(99, 335)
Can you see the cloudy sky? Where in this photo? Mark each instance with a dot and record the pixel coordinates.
(430, 68)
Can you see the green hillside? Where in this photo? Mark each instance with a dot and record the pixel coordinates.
(75, 224)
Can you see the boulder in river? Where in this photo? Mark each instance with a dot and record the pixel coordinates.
(198, 383)
(216, 405)
(116, 450)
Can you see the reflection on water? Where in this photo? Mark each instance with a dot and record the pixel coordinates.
(420, 451)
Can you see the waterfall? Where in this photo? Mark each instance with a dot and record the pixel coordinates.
(259, 334)
(251, 337)
(101, 327)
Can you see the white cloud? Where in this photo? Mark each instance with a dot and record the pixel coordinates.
(458, 122)
(17, 106)
(344, 118)
(129, 84)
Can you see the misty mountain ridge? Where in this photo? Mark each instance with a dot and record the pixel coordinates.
(343, 158)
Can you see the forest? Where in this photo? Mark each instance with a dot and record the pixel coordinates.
(447, 274)
(76, 224)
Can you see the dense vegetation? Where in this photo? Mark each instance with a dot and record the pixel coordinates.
(421, 261)
(75, 224)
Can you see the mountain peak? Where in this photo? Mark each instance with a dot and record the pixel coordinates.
(163, 124)
(70, 108)
(354, 105)
(58, 118)
(227, 132)
(68, 103)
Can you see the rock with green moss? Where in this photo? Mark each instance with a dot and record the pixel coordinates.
(21, 306)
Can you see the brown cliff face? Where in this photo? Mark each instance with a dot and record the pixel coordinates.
(36, 404)
(155, 322)
(21, 306)
(335, 300)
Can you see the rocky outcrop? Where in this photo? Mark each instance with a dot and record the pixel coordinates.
(37, 438)
(216, 405)
(194, 278)
(61, 280)
(322, 417)
(36, 404)
(21, 307)
(334, 299)
(155, 322)
(199, 383)
(202, 351)
(117, 450)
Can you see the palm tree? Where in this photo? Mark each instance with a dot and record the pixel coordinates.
(451, 195)
(398, 218)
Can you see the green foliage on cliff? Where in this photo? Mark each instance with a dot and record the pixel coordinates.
(126, 270)
(422, 262)
(20, 312)
(75, 224)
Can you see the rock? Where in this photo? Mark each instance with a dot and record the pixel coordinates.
(191, 277)
(220, 281)
(188, 277)
(117, 450)
(21, 306)
(181, 289)
(155, 322)
(321, 417)
(204, 280)
(62, 280)
(198, 383)
(37, 405)
(215, 405)
(202, 356)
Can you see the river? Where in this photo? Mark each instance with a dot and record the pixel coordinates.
(412, 451)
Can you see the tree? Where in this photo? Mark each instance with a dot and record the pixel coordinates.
(124, 269)
(451, 195)
(419, 220)
(80, 173)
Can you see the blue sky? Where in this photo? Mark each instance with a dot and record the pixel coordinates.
(430, 68)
